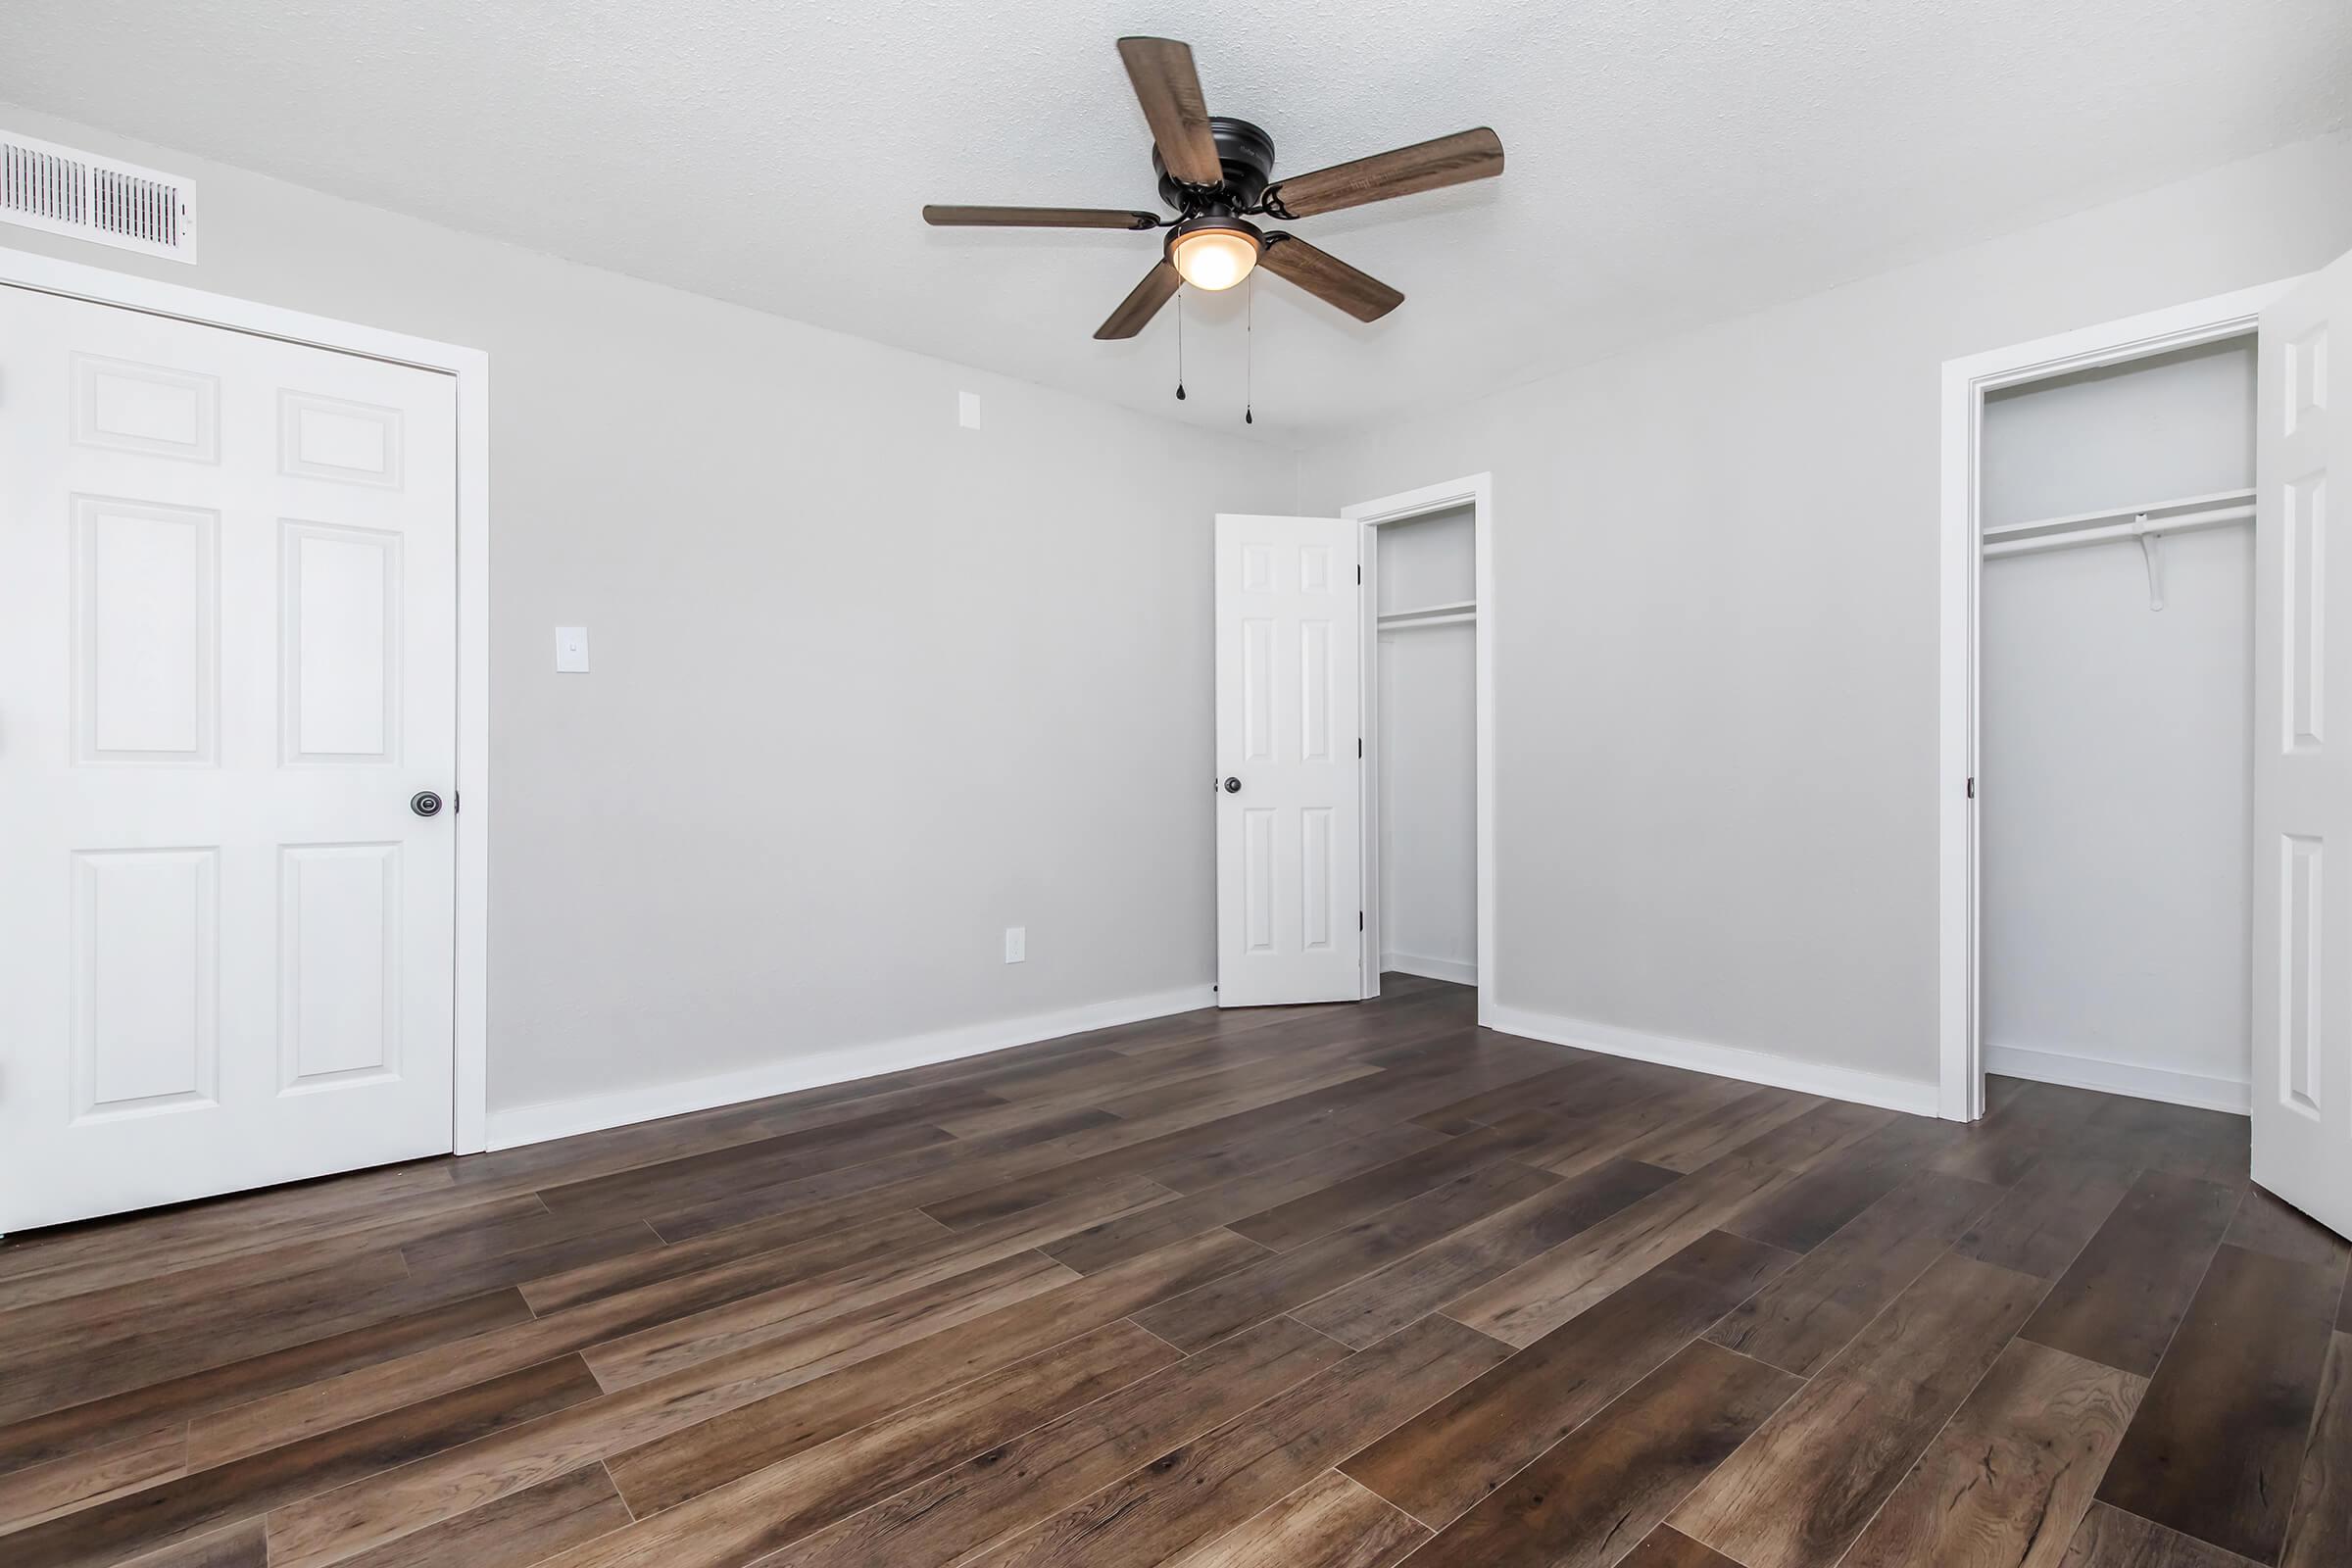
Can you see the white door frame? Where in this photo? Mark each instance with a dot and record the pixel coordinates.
(1476, 492)
(470, 368)
(1961, 1057)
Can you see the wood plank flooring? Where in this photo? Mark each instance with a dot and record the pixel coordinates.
(1341, 1287)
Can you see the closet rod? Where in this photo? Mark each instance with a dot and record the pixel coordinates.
(2077, 520)
(2141, 526)
(1386, 627)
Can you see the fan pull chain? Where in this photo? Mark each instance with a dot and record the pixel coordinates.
(1250, 355)
(1180, 345)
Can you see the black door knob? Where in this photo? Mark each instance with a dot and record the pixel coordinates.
(1233, 786)
(424, 803)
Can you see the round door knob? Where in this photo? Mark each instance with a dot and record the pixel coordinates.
(1233, 786)
(424, 803)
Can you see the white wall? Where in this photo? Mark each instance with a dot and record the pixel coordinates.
(868, 687)
(1428, 740)
(1715, 627)
(2115, 742)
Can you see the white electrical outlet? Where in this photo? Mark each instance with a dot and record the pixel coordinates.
(1016, 944)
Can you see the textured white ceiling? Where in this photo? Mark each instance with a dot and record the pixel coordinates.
(1670, 161)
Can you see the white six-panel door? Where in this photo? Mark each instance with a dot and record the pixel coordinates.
(2303, 756)
(1290, 856)
(227, 660)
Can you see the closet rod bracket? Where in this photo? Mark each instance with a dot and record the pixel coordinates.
(2151, 549)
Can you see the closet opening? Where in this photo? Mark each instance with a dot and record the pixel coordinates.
(1427, 726)
(2115, 714)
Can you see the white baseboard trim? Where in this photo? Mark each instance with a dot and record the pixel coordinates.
(562, 1118)
(1917, 1097)
(1461, 975)
(2078, 1071)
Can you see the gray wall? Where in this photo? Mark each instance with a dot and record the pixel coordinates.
(2115, 743)
(864, 681)
(1716, 620)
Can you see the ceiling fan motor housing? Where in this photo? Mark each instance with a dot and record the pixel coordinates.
(1247, 156)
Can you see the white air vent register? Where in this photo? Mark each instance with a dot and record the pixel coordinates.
(45, 186)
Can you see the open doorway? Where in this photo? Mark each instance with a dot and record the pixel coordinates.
(1427, 817)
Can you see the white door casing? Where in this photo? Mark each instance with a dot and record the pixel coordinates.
(2302, 958)
(1289, 849)
(227, 660)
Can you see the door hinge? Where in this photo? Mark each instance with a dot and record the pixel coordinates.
(1972, 789)
(1359, 747)
(1359, 577)
(457, 802)
(1359, 920)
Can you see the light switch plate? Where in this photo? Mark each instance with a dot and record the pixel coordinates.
(572, 650)
(1016, 944)
(968, 409)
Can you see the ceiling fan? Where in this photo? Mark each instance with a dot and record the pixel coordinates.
(1217, 174)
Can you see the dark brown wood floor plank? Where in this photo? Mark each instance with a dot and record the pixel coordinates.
(2319, 1530)
(1286, 1280)
(1539, 1294)
(1115, 1241)
(2110, 1537)
(1668, 1547)
(2210, 1146)
(1196, 1492)
(762, 1510)
(203, 1502)
(1840, 1185)
(2217, 1446)
(2056, 1207)
(1803, 1142)
(45, 1439)
(694, 1456)
(524, 1528)
(385, 1507)
(993, 1494)
(81, 1479)
(53, 1361)
(1608, 1484)
(1709, 1134)
(2122, 1296)
(1319, 1213)
(2266, 1224)
(1377, 1305)
(442, 1367)
(753, 1320)
(648, 1190)
(525, 1264)
(241, 1546)
(1803, 1487)
(1814, 1310)
(2007, 1483)
(907, 1180)
(1462, 1448)
(1330, 1522)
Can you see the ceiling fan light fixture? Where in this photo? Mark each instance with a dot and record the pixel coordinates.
(1214, 253)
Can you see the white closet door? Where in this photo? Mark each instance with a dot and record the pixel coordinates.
(2302, 961)
(1290, 853)
(227, 660)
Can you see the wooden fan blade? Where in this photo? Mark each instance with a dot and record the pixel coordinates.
(1454, 159)
(1037, 218)
(1170, 89)
(1327, 277)
(1140, 306)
